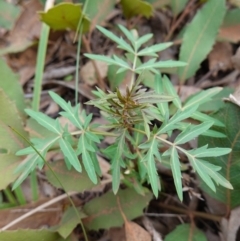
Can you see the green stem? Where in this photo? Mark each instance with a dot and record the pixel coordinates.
(20, 196)
(10, 197)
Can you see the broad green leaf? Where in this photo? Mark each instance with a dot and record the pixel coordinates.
(105, 211)
(176, 170)
(70, 154)
(28, 234)
(136, 7)
(11, 87)
(230, 163)
(8, 164)
(68, 222)
(65, 16)
(9, 117)
(200, 36)
(121, 43)
(9, 13)
(192, 132)
(44, 120)
(177, 6)
(150, 51)
(70, 179)
(201, 97)
(184, 231)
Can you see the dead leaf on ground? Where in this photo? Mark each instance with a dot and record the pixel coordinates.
(134, 232)
(220, 57)
(88, 72)
(230, 227)
(236, 60)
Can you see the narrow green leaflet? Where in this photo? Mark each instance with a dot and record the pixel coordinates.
(161, 64)
(122, 43)
(176, 170)
(201, 172)
(84, 148)
(45, 121)
(204, 117)
(139, 42)
(120, 149)
(149, 158)
(201, 97)
(70, 154)
(200, 36)
(128, 34)
(163, 107)
(108, 60)
(171, 90)
(179, 116)
(146, 122)
(71, 113)
(151, 51)
(192, 132)
(210, 152)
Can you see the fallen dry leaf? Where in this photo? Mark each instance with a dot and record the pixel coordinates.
(88, 74)
(134, 232)
(230, 33)
(220, 57)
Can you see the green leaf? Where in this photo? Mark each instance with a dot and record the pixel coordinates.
(204, 117)
(84, 148)
(210, 152)
(44, 120)
(176, 170)
(105, 211)
(179, 116)
(136, 7)
(142, 40)
(192, 132)
(128, 34)
(121, 43)
(70, 179)
(161, 64)
(184, 231)
(150, 51)
(152, 152)
(177, 6)
(171, 90)
(9, 13)
(70, 155)
(28, 234)
(9, 80)
(68, 222)
(230, 164)
(200, 36)
(71, 113)
(65, 16)
(201, 97)
(120, 149)
(108, 60)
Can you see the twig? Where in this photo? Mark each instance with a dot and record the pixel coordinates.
(46, 204)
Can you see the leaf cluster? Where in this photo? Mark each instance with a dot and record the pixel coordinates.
(141, 122)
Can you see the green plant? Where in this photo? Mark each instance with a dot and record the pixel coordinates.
(134, 116)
